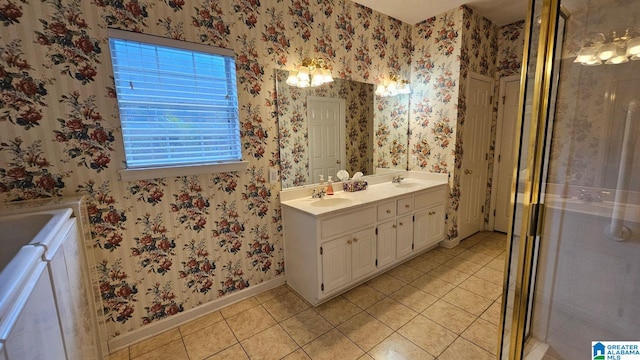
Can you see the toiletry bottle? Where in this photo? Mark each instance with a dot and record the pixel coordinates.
(321, 179)
(330, 186)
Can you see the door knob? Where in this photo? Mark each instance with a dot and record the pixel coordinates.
(337, 161)
(349, 242)
(467, 171)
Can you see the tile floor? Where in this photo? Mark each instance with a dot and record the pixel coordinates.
(444, 304)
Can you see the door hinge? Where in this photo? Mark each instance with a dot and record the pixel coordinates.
(499, 157)
(494, 212)
(486, 156)
(376, 231)
(320, 250)
(376, 262)
(482, 209)
(414, 218)
(503, 99)
(412, 246)
(322, 286)
(491, 99)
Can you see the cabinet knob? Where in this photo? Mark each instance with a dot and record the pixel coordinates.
(401, 224)
(388, 211)
(407, 206)
(349, 242)
(394, 226)
(468, 172)
(355, 240)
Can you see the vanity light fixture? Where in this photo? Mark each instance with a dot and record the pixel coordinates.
(312, 72)
(394, 86)
(610, 49)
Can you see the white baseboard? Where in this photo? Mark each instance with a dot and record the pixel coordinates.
(147, 331)
(451, 243)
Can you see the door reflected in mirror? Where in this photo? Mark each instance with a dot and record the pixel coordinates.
(338, 126)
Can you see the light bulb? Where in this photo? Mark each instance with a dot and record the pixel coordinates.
(586, 54)
(593, 62)
(633, 46)
(326, 74)
(380, 90)
(317, 79)
(607, 51)
(303, 74)
(292, 80)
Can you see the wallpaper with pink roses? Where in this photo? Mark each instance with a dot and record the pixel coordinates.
(167, 245)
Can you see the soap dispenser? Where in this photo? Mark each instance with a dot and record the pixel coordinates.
(330, 186)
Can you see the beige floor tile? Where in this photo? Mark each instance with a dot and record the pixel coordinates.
(492, 314)
(201, 322)
(483, 334)
(174, 350)
(491, 275)
(153, 343)
(333, 345)
(209, 341)
(239, 307)
(365, 357)
(451, 252)
(271, 344)
(463, 349)
(306, 326)
(476, 257)
(122, 354)
(436, 255)
(250, 322)
(471, 241)
(449, 275)
(364, 296)
(386, 284)
(285, 306)
(433, 285)
(428, 335)
(297, 355)
(391, 313)
(338, 310)
(421, 264)
(482, 287)
(414, 298)
(396, 347)
(497, 264)
(405, 273)
(235, 352)
(488, 250)
(463, 265)
(449, 316)
(467, 300)
(270, 294)
(365, 331)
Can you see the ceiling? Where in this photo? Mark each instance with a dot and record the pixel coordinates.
(500, 12)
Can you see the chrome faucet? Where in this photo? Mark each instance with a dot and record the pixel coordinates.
(397, 179)
(318, 193)
(589, 196)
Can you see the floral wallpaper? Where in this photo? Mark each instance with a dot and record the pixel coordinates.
(293, 127)
(167, 245)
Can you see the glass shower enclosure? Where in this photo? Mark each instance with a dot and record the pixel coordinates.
(573, 275)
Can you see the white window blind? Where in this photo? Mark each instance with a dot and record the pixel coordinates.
(178, 101)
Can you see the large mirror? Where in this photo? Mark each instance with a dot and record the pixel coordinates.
(341, 125)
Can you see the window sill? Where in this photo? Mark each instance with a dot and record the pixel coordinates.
(182, 170)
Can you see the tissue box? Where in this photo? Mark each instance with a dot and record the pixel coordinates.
(355, 185)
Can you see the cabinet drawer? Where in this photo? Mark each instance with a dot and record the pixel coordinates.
(386, 210)
(347, 222)
(405, 205)
(430, 197)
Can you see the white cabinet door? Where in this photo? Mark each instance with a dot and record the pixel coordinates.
(436, 223)
(421, 231)
(386, 243)
(363, 253)
(405, 236)
(336, 263)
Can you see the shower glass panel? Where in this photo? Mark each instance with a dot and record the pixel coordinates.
(574, 274)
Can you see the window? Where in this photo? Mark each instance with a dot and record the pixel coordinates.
(178, 105)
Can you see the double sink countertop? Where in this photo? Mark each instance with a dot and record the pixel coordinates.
(380, 188)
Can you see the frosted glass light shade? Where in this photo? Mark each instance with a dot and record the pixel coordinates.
(586, 54)
(292, 80)
(607, 51)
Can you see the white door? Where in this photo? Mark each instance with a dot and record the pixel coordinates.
(386, 243)
(405, 236)
(473, 176)
(336, 263)
(504, 156)
(363, 253)
(326, 136)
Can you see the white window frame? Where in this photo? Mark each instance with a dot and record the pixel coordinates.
(151, 172)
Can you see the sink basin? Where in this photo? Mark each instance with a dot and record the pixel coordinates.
(331, 202)
(407, 185)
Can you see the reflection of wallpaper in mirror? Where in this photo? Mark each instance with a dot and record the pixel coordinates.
(390, 126)
(293, 134)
